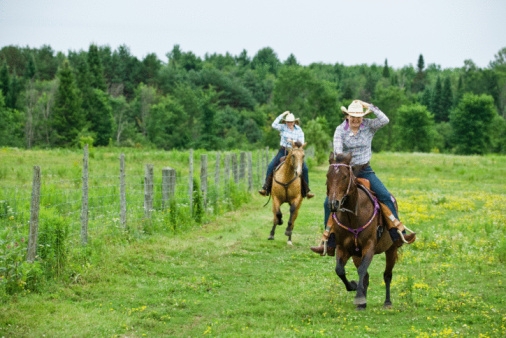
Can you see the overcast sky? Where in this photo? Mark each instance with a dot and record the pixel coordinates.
(445, 32)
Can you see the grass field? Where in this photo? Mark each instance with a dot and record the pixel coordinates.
(225, 279)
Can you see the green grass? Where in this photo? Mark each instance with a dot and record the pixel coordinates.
(225, 279)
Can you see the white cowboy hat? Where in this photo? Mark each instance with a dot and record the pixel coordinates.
(290, 118)
(355, 109)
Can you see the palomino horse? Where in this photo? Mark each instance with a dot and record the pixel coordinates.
(355, 220)
(286, 188)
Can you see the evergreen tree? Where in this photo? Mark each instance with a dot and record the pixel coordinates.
(68, 119)
(436, 106)
(95, 69)
(420, 64)
(243, 60)
(419, 80)
(208, 139)
(46, 63)
(79, 62)
(426, 98)
(150, 67)
(459, 92)
(100, 117)
(5, 80)
(386, 70)
(291, 61)
(11, 126)
(16, 87)
(446, 100)
(30, 70)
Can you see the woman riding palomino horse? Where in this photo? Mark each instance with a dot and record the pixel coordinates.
(290, 131)
(287, 189)
(355, 135)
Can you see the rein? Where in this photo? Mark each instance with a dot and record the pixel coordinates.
(357, 231)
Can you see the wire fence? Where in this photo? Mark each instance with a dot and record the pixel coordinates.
(97, 201)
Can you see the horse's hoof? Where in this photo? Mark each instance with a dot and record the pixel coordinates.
(288, 233)
(289, 243)
(387, 305)
(361, 307)
(270, 238)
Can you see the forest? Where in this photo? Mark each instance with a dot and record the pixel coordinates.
(104, 97)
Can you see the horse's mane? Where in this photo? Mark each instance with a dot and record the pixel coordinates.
(340, 158)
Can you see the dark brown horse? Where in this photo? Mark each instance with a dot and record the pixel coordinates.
(286, 188)
(355, 220)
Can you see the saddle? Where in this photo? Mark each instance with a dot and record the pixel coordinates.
(384, 210)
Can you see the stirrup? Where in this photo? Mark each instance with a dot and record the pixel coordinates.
(402, 235)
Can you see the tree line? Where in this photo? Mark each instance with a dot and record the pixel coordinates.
(105, 97)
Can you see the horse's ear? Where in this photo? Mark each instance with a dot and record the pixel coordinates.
(332, 158)
(347, 158)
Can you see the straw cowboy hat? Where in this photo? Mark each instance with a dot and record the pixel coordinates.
(290, 118)
(355, 109)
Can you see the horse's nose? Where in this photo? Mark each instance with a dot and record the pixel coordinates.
(334, 205)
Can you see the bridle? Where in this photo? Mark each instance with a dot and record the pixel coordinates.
(336, 167)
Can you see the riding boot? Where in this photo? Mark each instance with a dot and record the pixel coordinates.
(266, 189)
(331, 244)
(306, 192)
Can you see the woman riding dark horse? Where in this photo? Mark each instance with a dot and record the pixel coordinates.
(355, 135)
(356, 222)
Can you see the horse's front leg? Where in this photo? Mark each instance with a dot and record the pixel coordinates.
(294, 211)
(391, 255)
(363, 278)
(277, 219)
(341, 260)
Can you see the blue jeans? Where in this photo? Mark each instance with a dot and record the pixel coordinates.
(275, 162)
(379, 189)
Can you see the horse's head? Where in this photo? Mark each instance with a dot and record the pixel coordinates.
(339, 180)
(296, 157)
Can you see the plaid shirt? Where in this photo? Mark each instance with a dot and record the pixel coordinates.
(287, 134)
(360, 144)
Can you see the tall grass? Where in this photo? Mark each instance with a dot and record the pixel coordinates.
(59, 242)
(223, 278)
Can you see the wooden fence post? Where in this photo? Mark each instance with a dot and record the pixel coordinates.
(34, 216)
(259, 165)
(227, 168)
(168, 186)
(242, 166)
(190, 183)
(217, 172)
(235, 170)
(148, 190)
(122, 191)
(203, 179)
(84, 205)
(250, 172)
